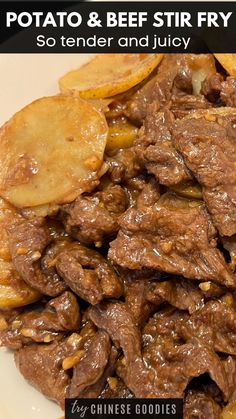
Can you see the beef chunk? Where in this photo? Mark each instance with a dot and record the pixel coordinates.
(165, 368)
(41, 365)
(91, 218)
(165, 323)
(180, 293)
(155, 149)
(115, 318)
(207, 141)
(181, 105)
(89, 371)
(119, 323)
(136, 291)
(175, 365)
(228, 92)
(211, 87)
(174, 235)
(230, 368)
(142, 191)
(198, 405)
(97, 388)
(214, 324)
(176, 73)
(149, 195)
(123, 165)
(43, 325)
(88, 274)
(27, 242)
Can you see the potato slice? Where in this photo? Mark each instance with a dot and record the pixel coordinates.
(228, 61)
(14, 292)
(51, 151)
(12, 297)
(121, 135)
(109, 74)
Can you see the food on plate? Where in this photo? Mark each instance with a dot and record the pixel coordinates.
(118, 234)
(34, 143)
(14, 292)
(109, 74)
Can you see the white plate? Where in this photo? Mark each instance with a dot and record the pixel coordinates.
(23, 78)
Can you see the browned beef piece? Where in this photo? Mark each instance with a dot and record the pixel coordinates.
(119, 323)
(27, 242)
(175, 365)
(122, 166)
(155, 149)
(165, 368)
(88, 274)
(215, 325)
(207, 141)
(43, 325)
(228, 92)
(175, 75)
(230, 368)
(211, 87)
(116, 389)
(174, 235)
(116, 319)
(96, 389)
(88, 375)
(182, 294)
(165, 323)
(198, 405)
(91, 218)
(149, 195)
(136, 291)
(182, 105)
(142, 191)
(41, 365)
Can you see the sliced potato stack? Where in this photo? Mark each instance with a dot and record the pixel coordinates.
(109, 74)
(14, 292)
(51, 151)
(228, 61)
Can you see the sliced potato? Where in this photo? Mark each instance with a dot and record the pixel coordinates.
(51, 151)
(101, 105)
(228, 61)
(109, 74)
(14, 292)
(12, 297)
(121, 135)
(8, 217)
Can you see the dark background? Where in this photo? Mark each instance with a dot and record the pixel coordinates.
(202, 39)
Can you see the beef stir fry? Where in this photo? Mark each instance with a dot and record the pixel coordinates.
(118, 233)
